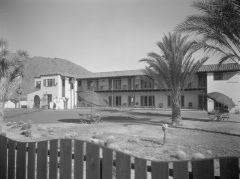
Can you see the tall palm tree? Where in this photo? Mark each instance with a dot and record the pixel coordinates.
(217, 27)
(173, 69)
(11, 74)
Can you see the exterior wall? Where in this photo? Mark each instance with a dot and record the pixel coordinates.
(45, 90)
(10, 104)
(160, 97)
(230, 86)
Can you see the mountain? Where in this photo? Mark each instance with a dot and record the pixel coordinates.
(37, 66)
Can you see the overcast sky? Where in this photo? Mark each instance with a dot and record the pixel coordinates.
(99, 35)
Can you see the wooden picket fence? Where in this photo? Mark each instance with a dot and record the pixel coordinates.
(66, 159)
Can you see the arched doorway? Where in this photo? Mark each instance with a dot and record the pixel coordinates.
(36, 101)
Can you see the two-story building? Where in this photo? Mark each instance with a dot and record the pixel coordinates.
(224, 79)
(55, 91)
(128, 89)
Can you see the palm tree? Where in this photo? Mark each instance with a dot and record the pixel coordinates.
(217, 27)
(11, 74)
(173, 69)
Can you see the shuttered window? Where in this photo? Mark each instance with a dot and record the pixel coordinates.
(49, 82)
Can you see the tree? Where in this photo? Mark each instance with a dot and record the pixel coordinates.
(217, 28)
(173, 69)
(11, 74)
(16, 95)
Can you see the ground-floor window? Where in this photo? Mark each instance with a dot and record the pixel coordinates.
(202, 102)
(131, 101)
(49, 98)
(117, 101)
(110, 101)
(148, 101)
(219, 106)
(169, 104)
(182, 101)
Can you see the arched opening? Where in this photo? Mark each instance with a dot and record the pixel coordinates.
(36, 101)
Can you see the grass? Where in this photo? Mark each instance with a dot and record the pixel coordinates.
(142, 125)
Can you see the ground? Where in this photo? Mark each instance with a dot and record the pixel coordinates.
(134, 130)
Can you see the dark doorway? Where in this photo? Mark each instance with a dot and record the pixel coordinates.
(36, 101)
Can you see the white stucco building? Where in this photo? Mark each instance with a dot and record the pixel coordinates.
(54, 91)
(127, 89)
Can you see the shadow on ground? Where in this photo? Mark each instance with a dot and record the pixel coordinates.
(69, 120)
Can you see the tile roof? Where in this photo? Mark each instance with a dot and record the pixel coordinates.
(222, 68)
(114, 74)
(58, 73)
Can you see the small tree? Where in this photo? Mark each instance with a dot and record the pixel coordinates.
(11, 74)
(19, 92)
(173, 69)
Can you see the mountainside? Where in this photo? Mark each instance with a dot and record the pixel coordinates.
(37, 66)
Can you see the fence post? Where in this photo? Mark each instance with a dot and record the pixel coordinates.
(3, 157)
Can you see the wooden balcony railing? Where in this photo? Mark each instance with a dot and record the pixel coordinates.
(192, 85)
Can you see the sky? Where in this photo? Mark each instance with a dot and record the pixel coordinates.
(99, 35)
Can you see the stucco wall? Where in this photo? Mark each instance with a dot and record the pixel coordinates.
(160, 97)
(230, 86)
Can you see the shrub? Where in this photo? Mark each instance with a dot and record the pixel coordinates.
(237, 111)
(110, 140)
(181, 155)
(114, 146)
(197, 156)
(29, 124)
(209, 152)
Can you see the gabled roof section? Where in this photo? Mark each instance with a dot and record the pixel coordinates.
(223, 68)
(116, 74)
(59, 73)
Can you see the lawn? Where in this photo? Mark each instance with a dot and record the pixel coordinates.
(135, 130)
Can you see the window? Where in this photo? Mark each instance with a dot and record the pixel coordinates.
(63, 82)
(147, 84)
(182, 101)
(218, 76)
(38, 84)
(49, 82)
(96, 85)
(117, 84)
(79, 83)
(118, 101)
(89, 84)
(130, 83)
(169, 101)
(147, 101)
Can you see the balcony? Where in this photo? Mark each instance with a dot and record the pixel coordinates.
(196, 86)
(138, 87)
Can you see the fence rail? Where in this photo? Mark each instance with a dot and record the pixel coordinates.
(67, 158)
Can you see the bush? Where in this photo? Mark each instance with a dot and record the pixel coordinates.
(29, 124)
(110, 140)
(197, 156)
(181, 155)
(237, 111)
(114, 146)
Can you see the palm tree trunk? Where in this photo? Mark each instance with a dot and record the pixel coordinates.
(1, 115)
(176, 111)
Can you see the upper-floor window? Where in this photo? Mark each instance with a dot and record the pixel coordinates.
(49, 82)
(218, 76)
(38, 84)
(147, 84)
(79, 83)
(117, 84)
